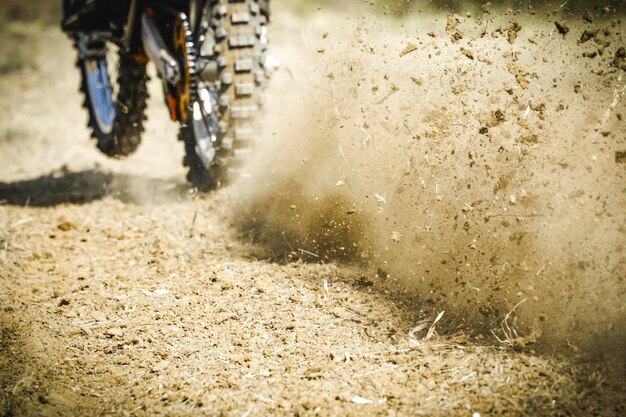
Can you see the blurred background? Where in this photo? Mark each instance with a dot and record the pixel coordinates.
(17, 17)
(48, 11)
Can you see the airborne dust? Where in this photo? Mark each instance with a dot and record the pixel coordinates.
(475, 161)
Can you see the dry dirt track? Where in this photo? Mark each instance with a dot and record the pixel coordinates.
(122, 294)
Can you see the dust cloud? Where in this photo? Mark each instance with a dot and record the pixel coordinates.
(473, 161)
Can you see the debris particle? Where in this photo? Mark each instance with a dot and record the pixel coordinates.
(512, 32)
(485, 60)
(396, 236)
(417, 80)
(467, 53)
(498, 116)
(360, 400)
(520, 74)
(364, 282)
(486, 7)
(619, 61)
(561, 27)
(114, 332)
(313, 373)
(66, 226)
(451, 24)
(459, 88)
(528, 139)
(409, 48)
(456, 36)
(364, 401)
(587, 35)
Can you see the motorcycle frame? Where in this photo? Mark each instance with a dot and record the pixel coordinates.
(131, 38)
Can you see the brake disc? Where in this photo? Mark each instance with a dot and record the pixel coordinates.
(196, 102)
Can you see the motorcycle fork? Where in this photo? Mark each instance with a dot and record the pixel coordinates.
(149, 33)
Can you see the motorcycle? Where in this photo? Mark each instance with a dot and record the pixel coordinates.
(212, 58)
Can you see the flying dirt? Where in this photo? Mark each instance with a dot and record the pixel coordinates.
(480, 172)
(432, 223)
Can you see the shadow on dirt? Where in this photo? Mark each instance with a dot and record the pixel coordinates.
(86, 186)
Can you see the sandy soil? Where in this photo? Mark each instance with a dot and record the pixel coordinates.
(465, 176)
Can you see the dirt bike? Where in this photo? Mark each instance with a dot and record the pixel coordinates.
(211, 55)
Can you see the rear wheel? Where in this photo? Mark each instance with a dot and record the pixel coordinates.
(116, 110)
(230, 76)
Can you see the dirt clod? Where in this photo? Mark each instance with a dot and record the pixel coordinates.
(396, 236)
(520, 74)
(65, 226)
(562, 27)
(587, 35)
(408, 49)
(451, 24)
(456, 36)
(467, 53)
(512, 32)
(619, 60)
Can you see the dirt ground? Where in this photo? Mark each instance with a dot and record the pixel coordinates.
(434, 225)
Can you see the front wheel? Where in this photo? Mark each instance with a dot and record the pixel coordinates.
(116, 110)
